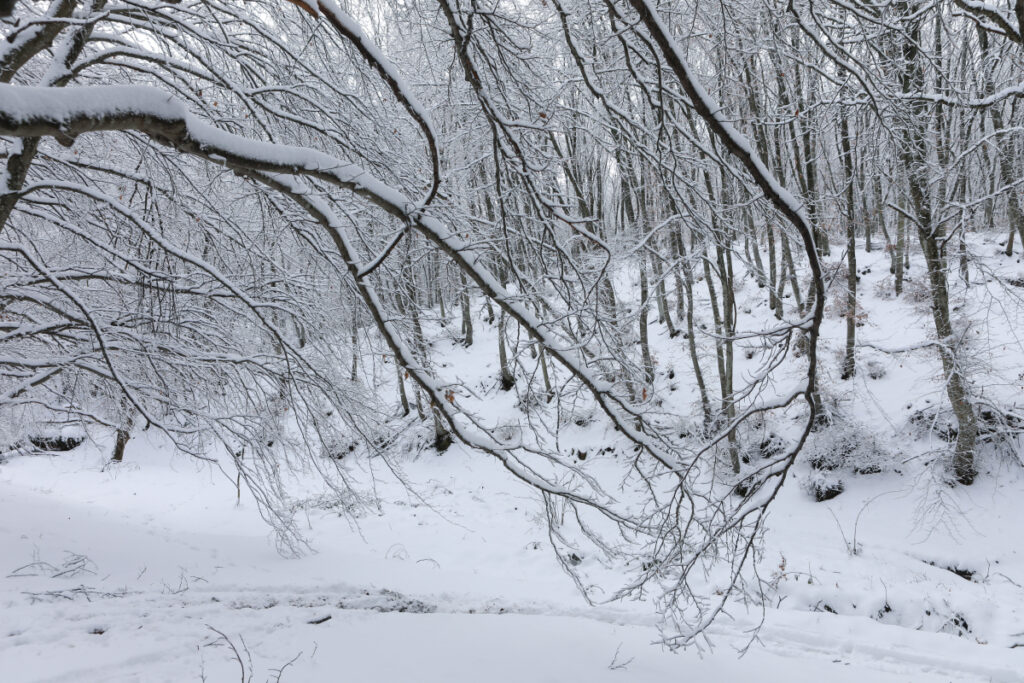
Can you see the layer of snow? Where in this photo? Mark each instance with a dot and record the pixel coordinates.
(151, 570)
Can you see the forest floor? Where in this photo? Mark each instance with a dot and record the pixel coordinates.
(152, 570)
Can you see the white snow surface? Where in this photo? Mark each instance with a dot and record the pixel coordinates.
(152, 570)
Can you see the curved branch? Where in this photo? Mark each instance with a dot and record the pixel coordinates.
(346, 26)
(69, 112)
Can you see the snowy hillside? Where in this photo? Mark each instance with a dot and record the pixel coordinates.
(486, 341)
(148, 570)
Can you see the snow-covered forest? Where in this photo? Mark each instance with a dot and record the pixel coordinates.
(506, 340)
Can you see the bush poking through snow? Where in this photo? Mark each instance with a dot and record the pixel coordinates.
(824, 487)
(847, 445)
(957, 626)
(875, 369)
(771, 446)
(579, 416)
(56, 444)
(744, 487)
(885, 288)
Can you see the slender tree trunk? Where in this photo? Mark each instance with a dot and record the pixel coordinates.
(755, 251)
(725, 266)
(406, 409)
(914, 156)
(849, 362)
(865, 212)
(354, 374)
(794, 284)
(691, 341)
(774, 300)
(897, 257)
(542, 359)
(664, 314)
(467, 314)
(645, 347)
(507, 378)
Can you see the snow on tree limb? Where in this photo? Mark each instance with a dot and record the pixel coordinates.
(738, 144)
(347, 26)
(66, 113)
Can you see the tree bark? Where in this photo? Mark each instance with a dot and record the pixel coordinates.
(849, 361)
(914, 156)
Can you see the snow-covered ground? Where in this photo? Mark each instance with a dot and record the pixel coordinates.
(152, 571)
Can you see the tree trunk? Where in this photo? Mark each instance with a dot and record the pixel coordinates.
(404, 397)
(507, 378)
(897, 255)
(914, 156)
(467, 314)
(664, 314)
(645, 347)
(123, 435)
(849, 362)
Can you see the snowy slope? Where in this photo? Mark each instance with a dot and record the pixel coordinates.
(150, 571)
(475, 596)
